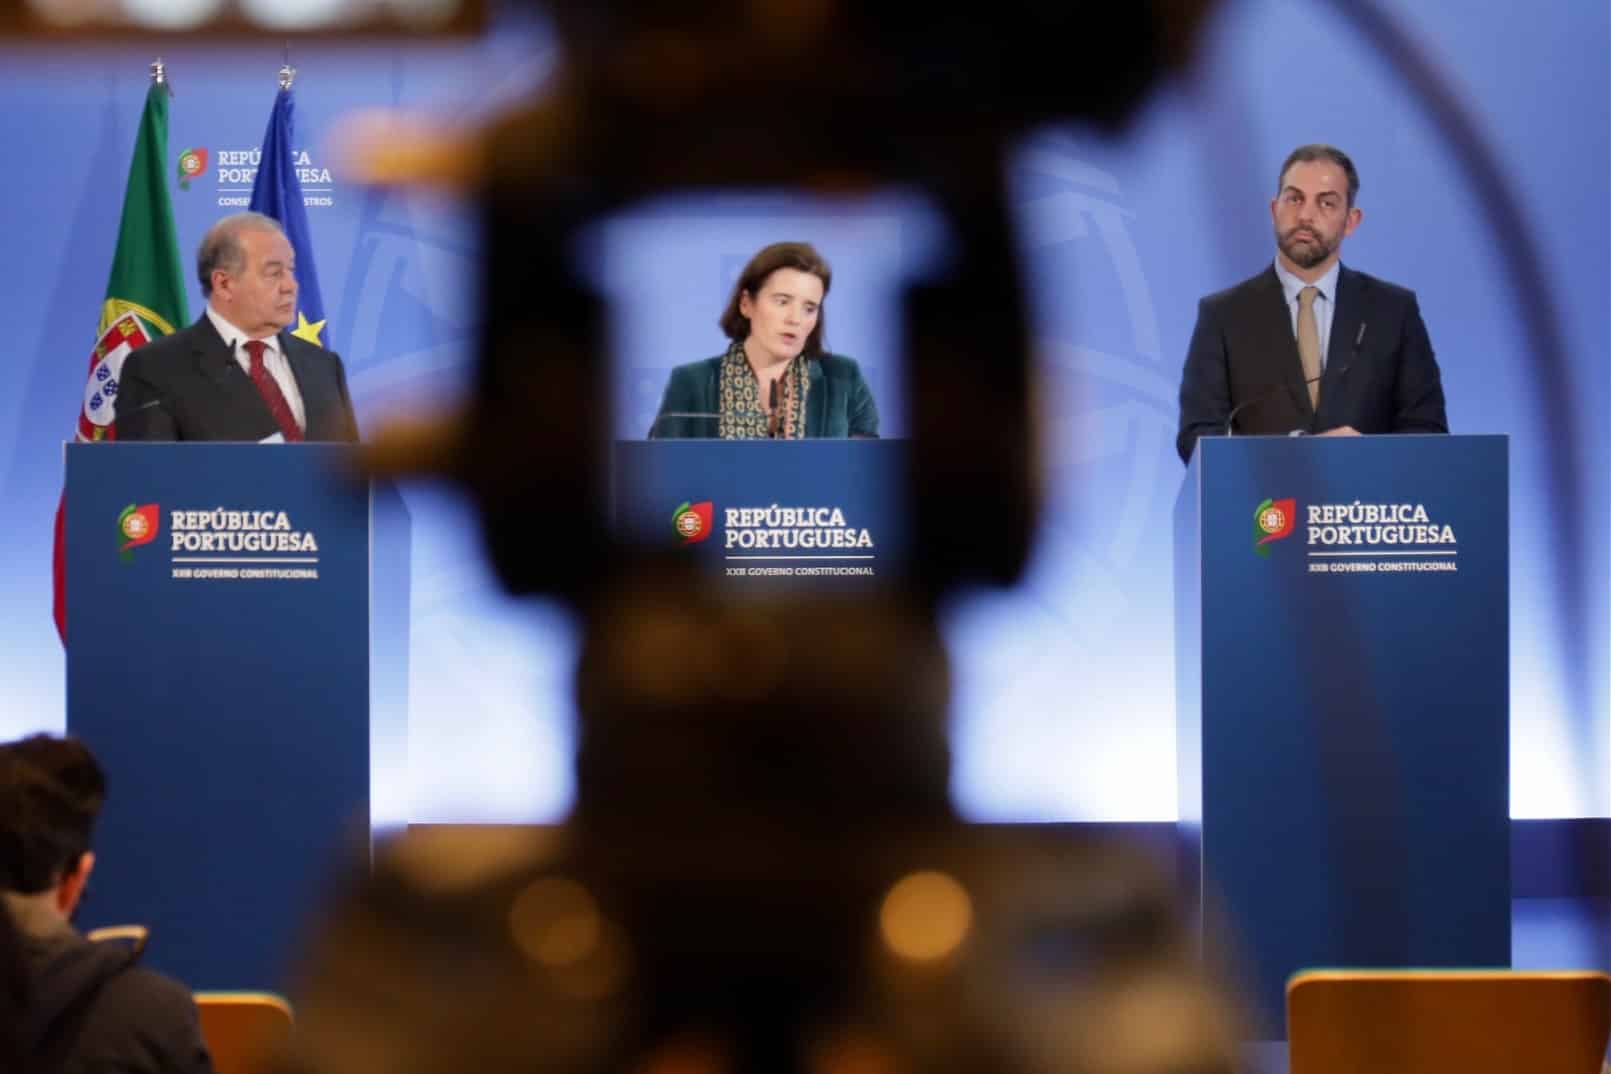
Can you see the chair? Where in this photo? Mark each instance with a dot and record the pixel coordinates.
(1447, 1022)
(243, 1030)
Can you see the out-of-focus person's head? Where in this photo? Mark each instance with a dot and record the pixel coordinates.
(247, 271)
(51, 790)
(672, 681)
(67, 760)
(762, 873)
(776, 305)
(746, 947)
(1313, 209)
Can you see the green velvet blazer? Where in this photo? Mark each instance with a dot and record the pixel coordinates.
(838, 402)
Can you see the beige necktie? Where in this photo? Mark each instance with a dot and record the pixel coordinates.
(1309, 342)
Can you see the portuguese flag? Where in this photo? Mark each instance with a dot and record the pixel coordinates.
(145, 297)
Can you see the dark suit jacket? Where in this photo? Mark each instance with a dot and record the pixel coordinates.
(838, 401)
(188, 386)
(1243, 351)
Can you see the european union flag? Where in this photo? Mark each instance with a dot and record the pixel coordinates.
(277, 192)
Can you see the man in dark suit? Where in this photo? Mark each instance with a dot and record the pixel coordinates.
(236, 374)
(1308, 346)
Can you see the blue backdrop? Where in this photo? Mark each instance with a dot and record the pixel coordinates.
(1064, 695)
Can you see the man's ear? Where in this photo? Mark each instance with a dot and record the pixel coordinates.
(1351, 221)
(71, 888)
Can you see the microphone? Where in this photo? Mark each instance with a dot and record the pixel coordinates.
(126, 420)
(1264, 397)
(773, 408)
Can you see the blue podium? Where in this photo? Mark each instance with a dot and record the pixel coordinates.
(1342, 655)
(827, 514)
(237, 657)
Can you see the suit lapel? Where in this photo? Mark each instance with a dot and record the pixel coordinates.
(1275, 338)
(215, 361)
(1348, 313)
(213, 357)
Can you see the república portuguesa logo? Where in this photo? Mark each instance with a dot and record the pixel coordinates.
(137, 526)
(692, 521)
(1272, 521)
(192, 162)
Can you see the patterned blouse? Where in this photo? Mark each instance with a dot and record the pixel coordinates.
(742, 415)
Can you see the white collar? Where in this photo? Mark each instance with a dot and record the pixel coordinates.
(234, 336)
(1291, 284)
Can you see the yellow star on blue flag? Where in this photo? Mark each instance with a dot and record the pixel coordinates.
(308, 330)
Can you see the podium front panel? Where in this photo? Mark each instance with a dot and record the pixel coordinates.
(811, 513)
(1346, 729)
(218, 665)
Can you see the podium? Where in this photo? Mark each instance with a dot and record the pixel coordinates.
(1342, 656)
(237, 657)
(823, 514)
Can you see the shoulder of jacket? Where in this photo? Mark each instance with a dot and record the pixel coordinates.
(138, 987)
(311, 350)
(1244, 290)
(702, 367)
(1379, 288)
(838, 366)
(166, 348)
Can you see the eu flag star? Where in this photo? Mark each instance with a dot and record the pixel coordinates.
(308, 331)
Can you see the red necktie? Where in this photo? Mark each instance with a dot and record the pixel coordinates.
(270, 391)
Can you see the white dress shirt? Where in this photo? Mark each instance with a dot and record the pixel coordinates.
(273, 361)
(1325, 301)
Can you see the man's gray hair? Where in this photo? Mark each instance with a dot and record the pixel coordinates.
(221, 247)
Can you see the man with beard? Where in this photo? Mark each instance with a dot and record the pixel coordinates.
(1308, 346)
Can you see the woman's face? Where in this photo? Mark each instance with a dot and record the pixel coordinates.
(782, 314)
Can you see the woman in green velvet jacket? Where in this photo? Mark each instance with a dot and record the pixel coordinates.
(774, 381)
